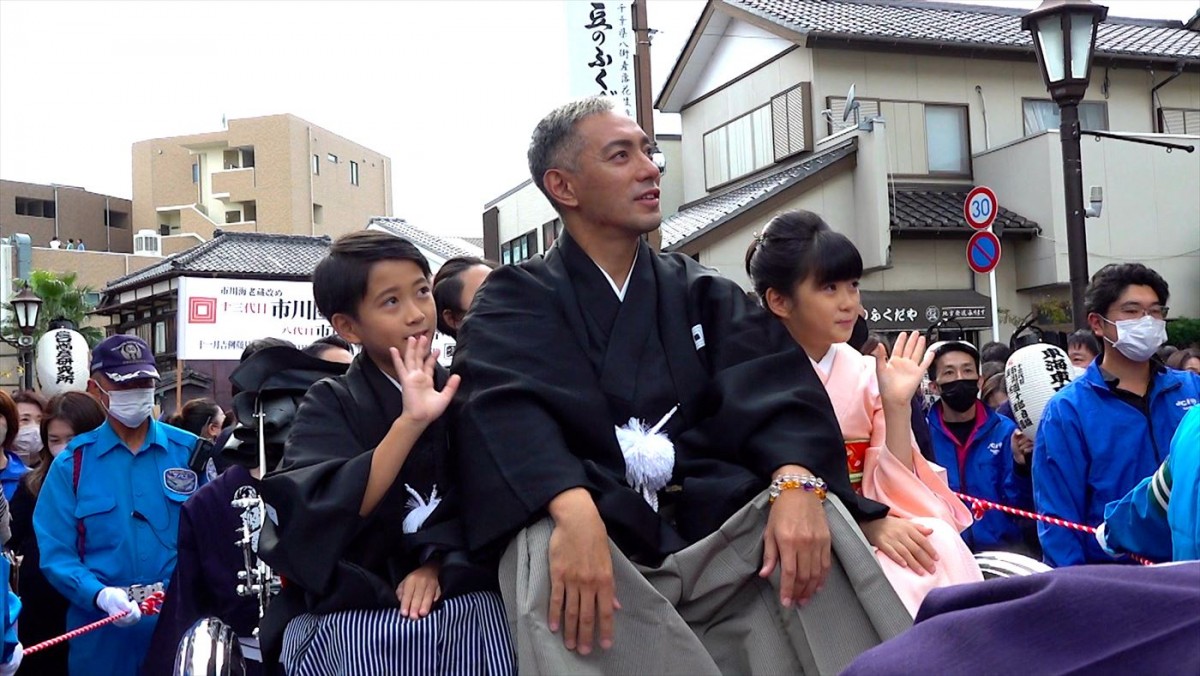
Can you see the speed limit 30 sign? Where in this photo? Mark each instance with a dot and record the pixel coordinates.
(980, 208)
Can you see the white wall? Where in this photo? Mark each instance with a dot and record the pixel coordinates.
(1151, 208)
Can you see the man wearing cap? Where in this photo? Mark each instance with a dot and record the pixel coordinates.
(109, 511)
(974, 444)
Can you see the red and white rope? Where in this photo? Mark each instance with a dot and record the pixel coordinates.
(979, 505)
(150, 606)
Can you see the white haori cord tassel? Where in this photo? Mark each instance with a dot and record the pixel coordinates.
(419, 509)
(649, 456)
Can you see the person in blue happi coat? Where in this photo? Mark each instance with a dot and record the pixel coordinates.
(109, 509)
(1111, 427)
(974, 444)
(1160, 517)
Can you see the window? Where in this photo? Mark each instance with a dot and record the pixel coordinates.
(316, 165)
(233, 217)
(353, 172)
(790, 125)
(519, 249)
(195, 172)
(550, 233)
(925, 138)
(1178, 121)
(318, 214)
(738, 147)
(946, 141)
(117, 219)
(28, 206)
(761, 137)
(1041, 115)
(332, 158)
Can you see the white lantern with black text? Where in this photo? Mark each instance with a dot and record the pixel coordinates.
(62, 362)
(1033, 375)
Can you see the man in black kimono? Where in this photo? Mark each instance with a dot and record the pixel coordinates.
(558, 351)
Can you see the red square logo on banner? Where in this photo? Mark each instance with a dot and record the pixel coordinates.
(202, 310)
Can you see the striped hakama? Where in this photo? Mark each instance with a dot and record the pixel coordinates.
(466, 635)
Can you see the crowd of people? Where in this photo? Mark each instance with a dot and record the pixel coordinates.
(632, 466)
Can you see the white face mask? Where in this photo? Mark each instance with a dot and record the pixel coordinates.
(131, 407)
(1139, 339)
(28, 442)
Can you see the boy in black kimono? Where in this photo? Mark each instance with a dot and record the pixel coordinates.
(363, 522)
(559, 351)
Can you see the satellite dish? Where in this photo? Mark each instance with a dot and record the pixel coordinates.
(851, 106)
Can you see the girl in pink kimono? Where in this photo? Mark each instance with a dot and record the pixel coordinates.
(807, 275)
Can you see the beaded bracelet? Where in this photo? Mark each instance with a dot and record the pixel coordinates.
(786, 482)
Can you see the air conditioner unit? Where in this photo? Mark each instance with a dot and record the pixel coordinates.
(147, 243)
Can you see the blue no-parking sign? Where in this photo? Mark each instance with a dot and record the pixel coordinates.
(983, 251)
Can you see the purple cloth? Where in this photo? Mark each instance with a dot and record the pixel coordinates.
(1099, 619)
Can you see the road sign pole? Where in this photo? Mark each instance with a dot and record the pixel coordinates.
(995, 306)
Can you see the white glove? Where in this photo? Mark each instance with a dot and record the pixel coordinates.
(10, 667)
(114, 600)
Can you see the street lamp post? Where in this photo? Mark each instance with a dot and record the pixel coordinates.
(26, 306)
(1064, 37)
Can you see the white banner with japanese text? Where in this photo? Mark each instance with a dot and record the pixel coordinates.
(600, 45)
(218, 318)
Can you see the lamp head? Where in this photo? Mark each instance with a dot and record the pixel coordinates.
(1064, 38)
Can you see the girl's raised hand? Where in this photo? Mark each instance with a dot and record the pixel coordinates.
(901, 375)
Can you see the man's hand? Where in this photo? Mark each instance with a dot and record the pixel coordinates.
(418, 591)
(904, 542)
(797, 540)
(414, 370)
(581, 573)
(1022, 446)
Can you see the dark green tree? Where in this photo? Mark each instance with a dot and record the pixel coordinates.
(62, 298)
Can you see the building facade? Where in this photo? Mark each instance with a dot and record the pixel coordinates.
(275, 174)
(946, 97)
(46, 212)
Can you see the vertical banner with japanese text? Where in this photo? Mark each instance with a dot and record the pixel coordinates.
(218, 318)
(600, 46)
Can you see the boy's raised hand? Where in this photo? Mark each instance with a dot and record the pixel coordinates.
(414, 369)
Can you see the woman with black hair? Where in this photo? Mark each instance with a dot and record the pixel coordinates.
(44, 612)
(201, 417)
(807, 275)
(454, 288)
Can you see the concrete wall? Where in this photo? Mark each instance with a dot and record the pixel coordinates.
(93, 268)
(80, 215)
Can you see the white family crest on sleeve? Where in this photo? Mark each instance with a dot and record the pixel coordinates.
(419, 509)
(649, 456)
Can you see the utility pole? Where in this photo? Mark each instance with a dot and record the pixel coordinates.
(642, 86)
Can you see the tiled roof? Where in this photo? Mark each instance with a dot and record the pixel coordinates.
(969, 25)
(445, 247)
(915, 211)
(699, 217)
(473, 241)
(236, 254)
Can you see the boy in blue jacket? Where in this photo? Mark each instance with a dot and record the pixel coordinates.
(1111, 427)
(974, 444)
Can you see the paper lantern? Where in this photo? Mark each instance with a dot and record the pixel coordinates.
(1033, 375)
(63, 359)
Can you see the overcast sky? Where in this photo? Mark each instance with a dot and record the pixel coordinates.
(448, 89)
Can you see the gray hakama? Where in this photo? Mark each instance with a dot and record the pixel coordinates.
(704, 610)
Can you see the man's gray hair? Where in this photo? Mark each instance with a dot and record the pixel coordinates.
(555, 144)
